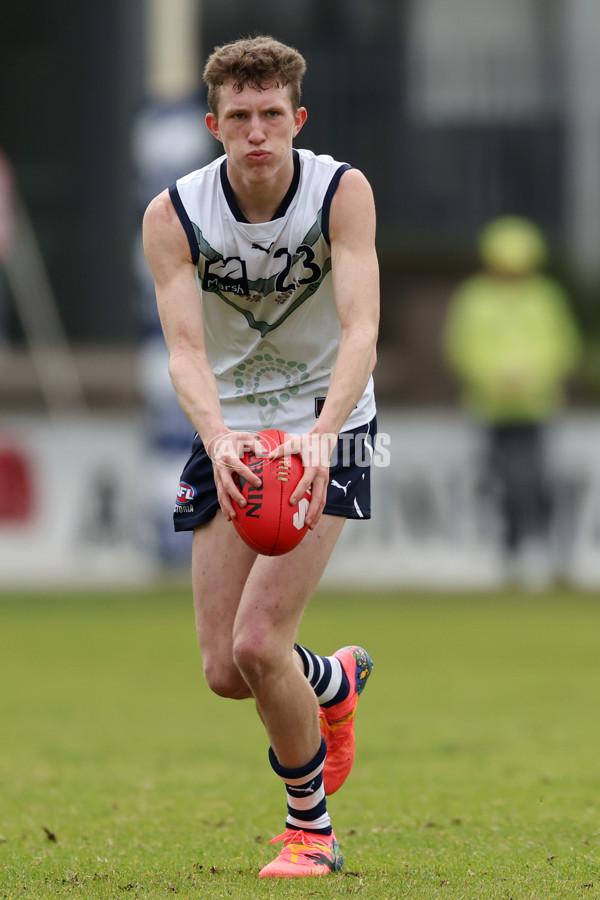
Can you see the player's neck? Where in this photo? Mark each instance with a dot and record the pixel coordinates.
(259, 199)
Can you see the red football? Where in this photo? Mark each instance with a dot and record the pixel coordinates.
(268, 523)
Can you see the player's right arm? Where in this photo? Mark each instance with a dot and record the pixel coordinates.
(180, 310)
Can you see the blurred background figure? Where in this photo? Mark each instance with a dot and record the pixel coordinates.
(511, 340)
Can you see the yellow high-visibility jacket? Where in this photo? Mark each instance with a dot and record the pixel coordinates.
(511, 343)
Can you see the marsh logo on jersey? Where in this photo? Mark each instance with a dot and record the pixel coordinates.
(226, 275)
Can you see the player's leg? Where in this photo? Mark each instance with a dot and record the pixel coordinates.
(338, 680)
(337, 719)
(274, 599)
(221, 563)
(275, 596)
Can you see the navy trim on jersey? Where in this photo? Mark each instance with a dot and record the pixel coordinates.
(186, 222)
(238, 215)
(283, 206)
(291, 193)
(329, 197)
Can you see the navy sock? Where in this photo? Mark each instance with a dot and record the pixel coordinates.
(306, 801)
(325, 675)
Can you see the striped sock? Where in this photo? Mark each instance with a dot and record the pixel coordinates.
(306, 801)
(325, 675)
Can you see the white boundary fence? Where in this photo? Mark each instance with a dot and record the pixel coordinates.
(434, 526)
(100, 505)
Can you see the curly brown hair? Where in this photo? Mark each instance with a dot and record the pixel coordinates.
(258, 62)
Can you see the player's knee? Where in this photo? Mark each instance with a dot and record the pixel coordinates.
(254, 657)
(225, 681)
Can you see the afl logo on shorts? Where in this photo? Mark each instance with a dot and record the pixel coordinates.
(185, 493)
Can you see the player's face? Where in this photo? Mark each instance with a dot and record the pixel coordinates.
(256, 128)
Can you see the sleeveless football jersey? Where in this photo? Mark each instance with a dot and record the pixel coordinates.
(271, 325)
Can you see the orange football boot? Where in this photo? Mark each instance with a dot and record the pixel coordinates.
(304, 853)
(337, 722)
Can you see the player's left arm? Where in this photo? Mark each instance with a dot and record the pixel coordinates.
(355, 273)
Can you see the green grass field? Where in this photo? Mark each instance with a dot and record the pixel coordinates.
(477, 771)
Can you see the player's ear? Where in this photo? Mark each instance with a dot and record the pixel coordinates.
(299, 119)
(213, 125)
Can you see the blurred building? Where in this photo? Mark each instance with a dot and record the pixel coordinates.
(457, 111)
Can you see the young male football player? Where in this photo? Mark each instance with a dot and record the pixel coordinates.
(267, 286)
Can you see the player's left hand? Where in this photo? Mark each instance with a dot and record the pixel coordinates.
(315, 452)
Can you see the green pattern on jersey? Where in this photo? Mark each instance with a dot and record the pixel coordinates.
(253, 375)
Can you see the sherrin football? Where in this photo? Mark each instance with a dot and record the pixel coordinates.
(268, 523)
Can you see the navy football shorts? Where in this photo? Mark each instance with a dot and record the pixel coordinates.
(348, 493)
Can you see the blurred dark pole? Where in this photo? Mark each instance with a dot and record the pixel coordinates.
(70, 77)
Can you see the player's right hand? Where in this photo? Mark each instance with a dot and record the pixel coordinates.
(226, 451)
